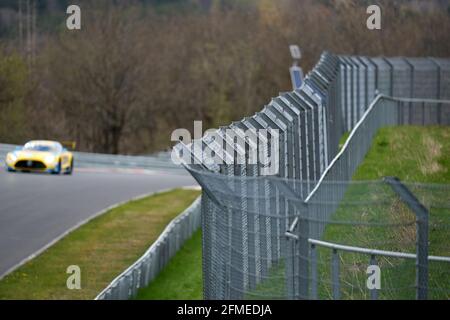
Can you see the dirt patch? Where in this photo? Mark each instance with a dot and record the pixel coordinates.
(446, 133)
(429, 162)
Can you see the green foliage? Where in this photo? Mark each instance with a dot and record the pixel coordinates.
(13, 79)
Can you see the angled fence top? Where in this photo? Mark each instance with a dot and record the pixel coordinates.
(285, 163)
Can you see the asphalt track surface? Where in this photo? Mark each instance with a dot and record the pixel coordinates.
(37, 208)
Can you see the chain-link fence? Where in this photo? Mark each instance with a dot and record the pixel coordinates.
(245, 213)
(322, 249)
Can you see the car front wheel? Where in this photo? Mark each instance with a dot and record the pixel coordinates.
(58, 168)
(70, 169)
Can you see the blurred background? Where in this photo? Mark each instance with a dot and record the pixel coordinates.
(138, 69)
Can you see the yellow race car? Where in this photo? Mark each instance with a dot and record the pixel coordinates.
(41, 156)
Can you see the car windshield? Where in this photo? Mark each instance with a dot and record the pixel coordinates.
(40, 147)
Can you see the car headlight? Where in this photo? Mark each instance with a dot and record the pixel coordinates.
(11, 157)
(49, 158)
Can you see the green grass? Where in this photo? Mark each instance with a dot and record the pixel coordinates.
(102, 248)
(343, 139)
(414, 154)
(181, 278)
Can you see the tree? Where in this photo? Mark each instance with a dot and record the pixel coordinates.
(96, 75)
(13, 75)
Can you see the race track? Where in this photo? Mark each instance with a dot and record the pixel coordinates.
(37, 208)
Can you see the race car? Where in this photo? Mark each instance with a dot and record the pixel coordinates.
(41, 156)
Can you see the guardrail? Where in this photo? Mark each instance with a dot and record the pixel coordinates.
(144, 270)
(161, 161)
(373, 253)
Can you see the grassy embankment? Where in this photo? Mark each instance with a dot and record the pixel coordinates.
(102, 248)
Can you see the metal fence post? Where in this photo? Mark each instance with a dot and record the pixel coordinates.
(373, 292)
(303, 252)
(422, 256)
(335, 274)
(314, 294)
(438, 91)
(290, 267)
(421, 234)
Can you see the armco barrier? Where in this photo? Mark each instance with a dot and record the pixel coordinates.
(144, 270)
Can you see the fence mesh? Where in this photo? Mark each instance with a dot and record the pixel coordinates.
(246, 213)
(254, 258)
